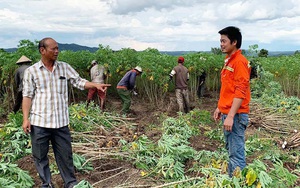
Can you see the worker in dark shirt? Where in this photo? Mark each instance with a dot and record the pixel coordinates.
(126, 86)
(24, 63)
(181, 74)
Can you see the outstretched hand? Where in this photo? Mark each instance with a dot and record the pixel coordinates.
(102, 87)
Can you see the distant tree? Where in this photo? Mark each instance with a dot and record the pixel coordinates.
(253, 50)
(29, 49)
(244, 52)
(297, 52)
(216, 51)
(263, 53)
(153, 51)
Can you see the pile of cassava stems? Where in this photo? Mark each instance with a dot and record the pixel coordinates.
(273, 121)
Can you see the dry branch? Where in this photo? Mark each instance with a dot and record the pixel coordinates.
(272, 121)
(268, 119)
(177, 182)
(110, 177)
(292, 141)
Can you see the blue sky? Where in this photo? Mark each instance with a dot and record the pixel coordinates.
(166, 25)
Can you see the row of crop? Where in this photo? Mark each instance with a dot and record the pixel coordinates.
(153, 84)
(165, 159)
(286, 71)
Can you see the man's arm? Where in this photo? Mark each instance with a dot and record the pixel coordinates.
(26, 105)
(91, 74)
(173, 72)
(228, 123)
(90, 85)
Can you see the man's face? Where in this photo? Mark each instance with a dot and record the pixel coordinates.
(50, 51)
(226, 45)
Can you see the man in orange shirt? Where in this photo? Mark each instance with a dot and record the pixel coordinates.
(233, 105)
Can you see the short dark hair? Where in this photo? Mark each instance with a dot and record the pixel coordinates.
(233, 33)
(42, 43)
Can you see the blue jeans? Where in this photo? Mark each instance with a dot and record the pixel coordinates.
(235, 142)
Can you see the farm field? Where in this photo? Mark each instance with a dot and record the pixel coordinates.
(113, 166)
(155, 146)
(113, 172)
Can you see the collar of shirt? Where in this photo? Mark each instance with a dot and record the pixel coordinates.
(227, 58)
(41, 64)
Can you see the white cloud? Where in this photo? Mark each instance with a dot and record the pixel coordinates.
(164, 25)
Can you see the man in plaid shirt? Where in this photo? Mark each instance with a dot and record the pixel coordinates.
(45, 111)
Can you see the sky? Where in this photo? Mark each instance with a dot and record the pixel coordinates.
(166, 25)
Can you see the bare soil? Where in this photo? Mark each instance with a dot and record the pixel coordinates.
(113, 172)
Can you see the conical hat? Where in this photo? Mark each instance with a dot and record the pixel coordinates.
(23, 59)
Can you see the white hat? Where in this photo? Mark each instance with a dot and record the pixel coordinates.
(138, 68)
(23, 59)
(94, 62)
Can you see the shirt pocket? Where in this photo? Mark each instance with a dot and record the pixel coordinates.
(227, 76)
(244, 119)
(61, 86)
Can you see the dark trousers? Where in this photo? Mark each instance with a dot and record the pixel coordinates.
(125, 95)
(62, 148)
(200, 90)
(18, 102)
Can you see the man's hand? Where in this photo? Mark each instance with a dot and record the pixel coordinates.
(26, 104)
(102, 87)
(26, 126)
(217, 115)
(228, 123)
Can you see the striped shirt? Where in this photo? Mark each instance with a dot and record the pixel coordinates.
(49, 93)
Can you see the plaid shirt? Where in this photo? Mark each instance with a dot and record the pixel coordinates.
(49, 93)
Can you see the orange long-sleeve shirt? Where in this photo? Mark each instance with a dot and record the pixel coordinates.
(235, 83)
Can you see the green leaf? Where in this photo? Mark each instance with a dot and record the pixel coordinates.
(264, 179)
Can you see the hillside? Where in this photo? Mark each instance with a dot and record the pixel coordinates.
(76, 47)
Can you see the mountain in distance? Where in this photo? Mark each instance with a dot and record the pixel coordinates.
(76, 47)
(62, 47)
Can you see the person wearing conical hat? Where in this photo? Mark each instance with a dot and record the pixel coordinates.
(24, 63)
